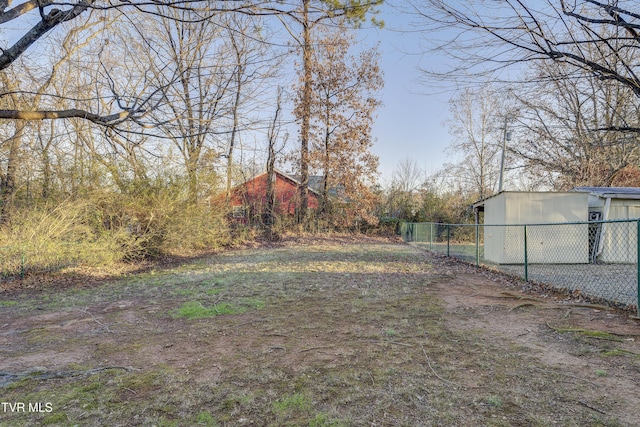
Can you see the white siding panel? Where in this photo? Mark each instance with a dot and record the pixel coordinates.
(619, 243)
(548, 244)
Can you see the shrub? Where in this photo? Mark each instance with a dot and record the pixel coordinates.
(103, 228)
(52, 237)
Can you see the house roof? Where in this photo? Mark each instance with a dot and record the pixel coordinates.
(480, 203)
(611, 192)
(291, 178)
(316, 183)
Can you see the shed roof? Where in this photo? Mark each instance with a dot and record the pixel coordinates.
(480, 203)
(611, 192)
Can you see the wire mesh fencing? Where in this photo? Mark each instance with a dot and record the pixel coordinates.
(598, 259)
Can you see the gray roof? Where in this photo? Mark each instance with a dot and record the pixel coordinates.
(611, 192)
(316, 183)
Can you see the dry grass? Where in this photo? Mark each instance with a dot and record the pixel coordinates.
(333, 333)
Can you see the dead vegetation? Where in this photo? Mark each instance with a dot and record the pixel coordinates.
(320, 332)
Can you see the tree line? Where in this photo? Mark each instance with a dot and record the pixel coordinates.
(147, 110)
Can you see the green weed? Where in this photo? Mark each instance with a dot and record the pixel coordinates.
(390, 333)
(297, 402)
(206, 419)
(323, 420)
(620, 352)
(8, 303)
(588, 333)
(214, 291)
(195, 310)
(59, 418)
(494, 401)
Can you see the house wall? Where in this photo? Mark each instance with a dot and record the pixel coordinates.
(253, 195)
(548, 244)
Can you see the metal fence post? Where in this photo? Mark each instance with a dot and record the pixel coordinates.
(22, 265)
(638, 266)
(477, 244)
(526, 257)
(448, 237)
(431, 236)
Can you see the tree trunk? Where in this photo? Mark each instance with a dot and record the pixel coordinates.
(306, 113)
(269, 213)
(236, 107)
(325, 168)
(8, 189)
(269, 209)
(192, 177)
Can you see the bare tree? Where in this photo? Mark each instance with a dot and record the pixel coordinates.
(39, 17)
(485, 38)
(202, 69)
(403, 194)
(28, 92)
(256, 65)
(273, 134)
(568, 126)
(35, 19)
(477, 126)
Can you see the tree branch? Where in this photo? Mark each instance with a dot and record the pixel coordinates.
(108, 120)
(54, 18)
(21, 9)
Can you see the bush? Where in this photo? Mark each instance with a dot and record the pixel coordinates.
(49, 238)
(155, 222)
(104, 228)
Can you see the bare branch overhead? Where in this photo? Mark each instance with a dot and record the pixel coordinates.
(485, 39)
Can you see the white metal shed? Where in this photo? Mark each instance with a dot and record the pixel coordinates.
(613, 242)
(506, 212)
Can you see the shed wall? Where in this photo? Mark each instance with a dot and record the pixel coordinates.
(619, 244)
(494, 238)
(548, 244)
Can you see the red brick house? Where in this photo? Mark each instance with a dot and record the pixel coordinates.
(249, 199)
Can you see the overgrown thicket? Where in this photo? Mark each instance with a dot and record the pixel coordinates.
(121, 129)
(101, 229)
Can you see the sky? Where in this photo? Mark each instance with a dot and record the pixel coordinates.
(410, 123)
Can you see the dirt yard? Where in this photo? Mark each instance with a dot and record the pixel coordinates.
(314, 332)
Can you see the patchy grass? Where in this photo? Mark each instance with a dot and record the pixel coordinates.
(195, 310)
(8, 303)
(297, 402)
(329, 334)
(587, 333)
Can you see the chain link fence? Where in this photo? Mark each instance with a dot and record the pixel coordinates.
(598, 259)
